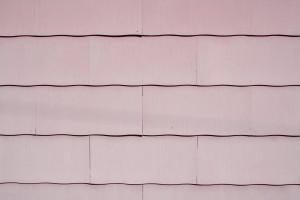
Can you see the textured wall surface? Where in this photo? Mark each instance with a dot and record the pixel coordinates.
(149, 100)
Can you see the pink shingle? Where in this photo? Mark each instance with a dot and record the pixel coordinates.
(220, 17)
(17, 110)
(16, 17)
(196, 111)
(88, 17)
(58, 60)
(220, 192)
(143, 160)
(32, 159)
(244, 160)
(221, 111)
(248, 60)
(275, 110)
(84, 110)
(72, 192)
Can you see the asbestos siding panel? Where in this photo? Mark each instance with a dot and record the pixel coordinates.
(83, 110)
(196, 111)
(16, 17)
(166, 60)
(17, 110)
(167, 160)
(151, 192)
(244, 160)
(57, 159)
(248, 60)
(275, 110)
(221, 17)
(169, 60)
(76, 17)
(115, 60)
(58, 60)
(74, 192)
(221, 111)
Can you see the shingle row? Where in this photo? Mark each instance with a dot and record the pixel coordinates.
(118, 110)
(44, 17)
(165, 60)
(138, 160)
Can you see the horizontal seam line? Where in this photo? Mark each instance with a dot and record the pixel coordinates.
(155, 35)
(148, 85)
(163, 184)
(140, 135)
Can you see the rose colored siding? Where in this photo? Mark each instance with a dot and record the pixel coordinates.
(148, 99)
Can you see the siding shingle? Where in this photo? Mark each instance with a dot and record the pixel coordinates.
(31, 159)
(245, 160)
(220, 17)
(248, 60)
(74, 192)
(82, 110)
(221, 192)
(143, 160)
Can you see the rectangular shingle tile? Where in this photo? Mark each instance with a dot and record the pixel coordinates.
(248, 60)
(166, 60)
(74, 192)
(220, 192)
(57, 60)
(143, 160)
(244, 160)
(115, 60)
(221, 111)
(275, 110)
(98, 60)
(196, 111)
(220, 17)
(169, 60)
(85, 110)
(16, 17)
(17, 110)
(88, 17)
(59, 159)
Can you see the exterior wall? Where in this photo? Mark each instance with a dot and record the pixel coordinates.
(148, 99)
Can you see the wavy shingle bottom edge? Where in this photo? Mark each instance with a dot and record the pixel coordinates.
(156, 35)
(162, 184)
(143, 135)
